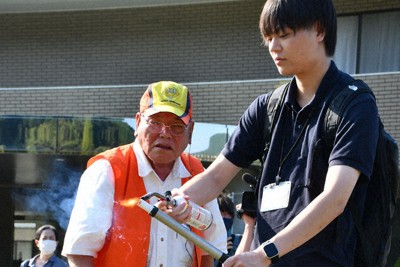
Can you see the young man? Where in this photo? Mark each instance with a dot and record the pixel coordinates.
(303, 213)
(101, 231)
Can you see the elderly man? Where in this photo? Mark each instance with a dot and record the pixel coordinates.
(102, 232)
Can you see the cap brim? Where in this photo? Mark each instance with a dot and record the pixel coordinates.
(152, 111)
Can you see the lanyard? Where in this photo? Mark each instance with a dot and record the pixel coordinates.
(284, 158)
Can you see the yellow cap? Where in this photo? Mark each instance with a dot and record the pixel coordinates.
(167, 96)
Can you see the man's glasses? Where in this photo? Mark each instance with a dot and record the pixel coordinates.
(158, 127)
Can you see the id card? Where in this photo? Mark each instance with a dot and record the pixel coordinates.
(275, 196)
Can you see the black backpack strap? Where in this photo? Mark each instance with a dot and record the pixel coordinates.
(338, 106)
(273, 106)
(333, 116)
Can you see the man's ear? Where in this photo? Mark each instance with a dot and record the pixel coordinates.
(320, 31)
(137, 119)
(191, 131)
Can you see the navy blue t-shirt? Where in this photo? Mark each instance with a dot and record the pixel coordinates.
(354, 146)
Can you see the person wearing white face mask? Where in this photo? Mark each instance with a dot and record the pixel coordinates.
(46, 240)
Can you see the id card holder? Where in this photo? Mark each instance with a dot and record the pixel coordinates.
(275, 196)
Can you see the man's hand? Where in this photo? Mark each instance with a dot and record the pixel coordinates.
(248, 220)
(255, 258)
(180, 213)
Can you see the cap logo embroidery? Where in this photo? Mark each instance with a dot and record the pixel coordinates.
(171, 92)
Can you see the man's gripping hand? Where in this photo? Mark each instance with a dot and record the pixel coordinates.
(180, 213)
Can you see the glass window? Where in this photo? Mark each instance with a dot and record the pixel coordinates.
(380, 39)
(346, 46)
(368, 43)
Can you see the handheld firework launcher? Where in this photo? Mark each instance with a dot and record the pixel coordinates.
(153, 211)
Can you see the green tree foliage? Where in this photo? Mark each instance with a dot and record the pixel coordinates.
(87, 139)
(65, 135)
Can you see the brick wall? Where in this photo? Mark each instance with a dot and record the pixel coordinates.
(190, 43)
(358, 6)
(218, 102)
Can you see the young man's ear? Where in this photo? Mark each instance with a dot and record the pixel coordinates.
(320, 30)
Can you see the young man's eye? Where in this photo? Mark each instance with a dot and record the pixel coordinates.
(284, 34)
(287, 33)
(266, 41)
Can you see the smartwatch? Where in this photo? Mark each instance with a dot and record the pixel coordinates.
(271, 251)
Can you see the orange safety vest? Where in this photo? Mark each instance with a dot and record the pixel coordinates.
(127, 240)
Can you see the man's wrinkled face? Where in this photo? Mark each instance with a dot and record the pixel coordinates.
(162, 136)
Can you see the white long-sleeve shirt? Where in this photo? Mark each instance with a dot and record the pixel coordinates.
(92, 215)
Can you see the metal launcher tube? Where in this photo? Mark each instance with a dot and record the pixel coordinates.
(180, 229)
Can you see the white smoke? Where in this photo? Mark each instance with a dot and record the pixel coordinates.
(55, 199)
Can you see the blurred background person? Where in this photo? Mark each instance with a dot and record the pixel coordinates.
(227, 209)
(46, 240)
(248, 232)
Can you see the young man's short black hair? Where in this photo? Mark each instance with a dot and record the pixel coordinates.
(300, 14)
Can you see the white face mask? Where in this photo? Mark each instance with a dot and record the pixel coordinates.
(47, 247)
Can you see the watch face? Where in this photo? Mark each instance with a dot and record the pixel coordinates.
(271, 251)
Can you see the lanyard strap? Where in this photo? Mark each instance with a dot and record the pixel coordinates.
(284, 158)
